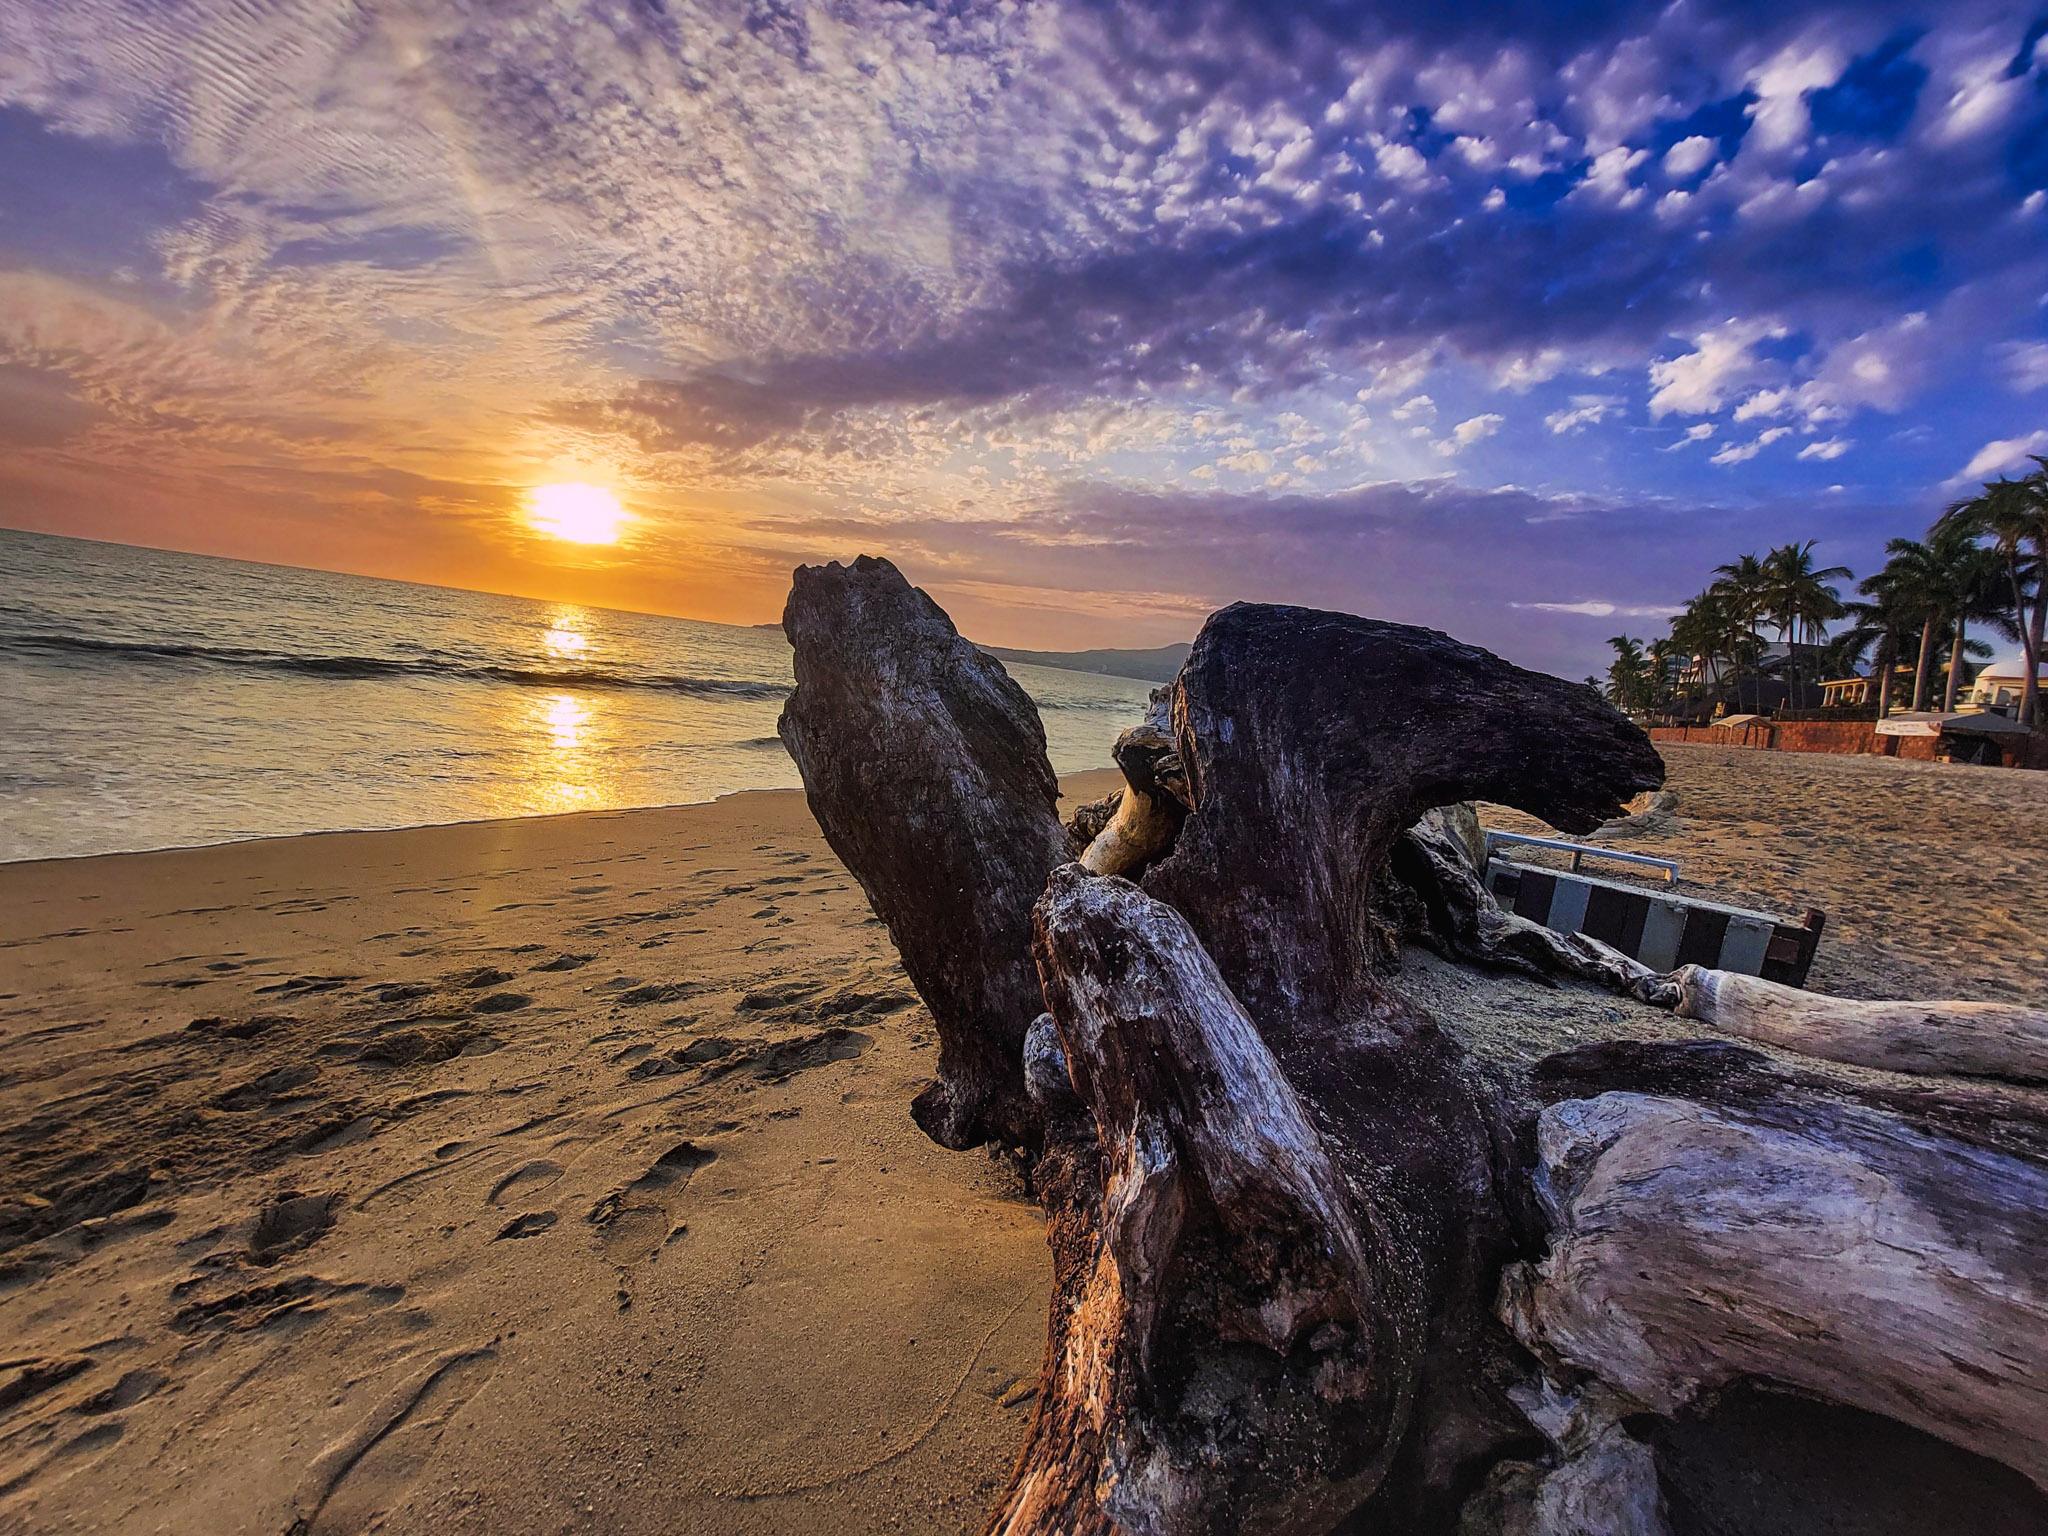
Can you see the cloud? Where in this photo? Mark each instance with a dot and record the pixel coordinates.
(1722, 363)
(2000, 455)
(1596, 608)
(1472, 430)
(1689, 156)
(1698, 432)
(1826, 450)
(1780, 114)
(1584, 411)
(1742, 453)
(1521, 374)
(2026, 365)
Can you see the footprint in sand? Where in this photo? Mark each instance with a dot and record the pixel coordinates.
(133, 1387)
(635, 1220)
(527, 1224)
(359, 1480)
(289, 1223)
(526, 1179)
(60, 1465)
(565, 963)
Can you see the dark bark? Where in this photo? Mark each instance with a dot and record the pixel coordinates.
(925, 765)
(1311, 740)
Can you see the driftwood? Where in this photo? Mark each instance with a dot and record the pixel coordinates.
(1838, 1250)
(926, 767)
(1147, 812)
(1999, 1040)
(1317, 1263)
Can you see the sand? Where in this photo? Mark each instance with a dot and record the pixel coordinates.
(556, 1175)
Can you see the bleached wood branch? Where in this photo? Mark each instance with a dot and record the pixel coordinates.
(1999, 1040)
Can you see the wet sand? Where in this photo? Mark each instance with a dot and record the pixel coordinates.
(556, 1175)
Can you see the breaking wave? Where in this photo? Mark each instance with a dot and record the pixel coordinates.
(393, 666)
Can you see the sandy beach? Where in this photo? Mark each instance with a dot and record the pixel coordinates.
(556, 1174)
(538, 1175)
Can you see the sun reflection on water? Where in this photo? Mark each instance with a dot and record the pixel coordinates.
(567, 633)
(566, 717)
(566, 774)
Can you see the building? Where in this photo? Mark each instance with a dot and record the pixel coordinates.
(1847, 692)
(1999, 687)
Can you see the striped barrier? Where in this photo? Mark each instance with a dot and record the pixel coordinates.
(1662, 930)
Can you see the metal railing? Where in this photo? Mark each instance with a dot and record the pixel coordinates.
(1579, 851)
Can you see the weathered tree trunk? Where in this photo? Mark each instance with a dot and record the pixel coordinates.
(1761, 1229)
(1317, 1264)
(1225, 1295)
(1311, 741)
(1921, 672)
(925, 766)
(1955, 666)
(1997, 1040)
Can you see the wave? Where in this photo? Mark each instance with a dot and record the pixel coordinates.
(390, 666)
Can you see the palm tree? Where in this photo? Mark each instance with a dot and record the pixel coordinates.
(1977, 593)
(1799, 598)
(1741, 584)
(1627, 675)
(1917, 573)
(2013, 515)
(1882, 626)
(1661, 657)
(1951, 580)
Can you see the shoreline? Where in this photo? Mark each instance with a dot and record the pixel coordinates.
(1082, 785)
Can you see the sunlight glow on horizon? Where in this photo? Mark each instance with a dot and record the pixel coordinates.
(576, 513)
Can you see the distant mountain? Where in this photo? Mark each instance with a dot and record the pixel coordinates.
(1160, 664)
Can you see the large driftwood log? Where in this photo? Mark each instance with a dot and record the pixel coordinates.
(1317, 1265)
(925, 766)
(1296, 804)
(1999, 1040)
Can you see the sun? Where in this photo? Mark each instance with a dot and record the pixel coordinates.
(576, 513)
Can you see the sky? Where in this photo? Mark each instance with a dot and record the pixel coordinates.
(1509, 319)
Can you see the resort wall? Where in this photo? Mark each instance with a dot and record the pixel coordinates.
(1845, 737)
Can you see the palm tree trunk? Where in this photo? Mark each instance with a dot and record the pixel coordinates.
(1885, 660)
(1955, 668)
(1926, 662)
(2033, 638)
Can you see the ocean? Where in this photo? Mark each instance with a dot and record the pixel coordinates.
(152, 700)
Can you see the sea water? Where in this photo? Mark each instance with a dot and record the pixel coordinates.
(150, 700)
